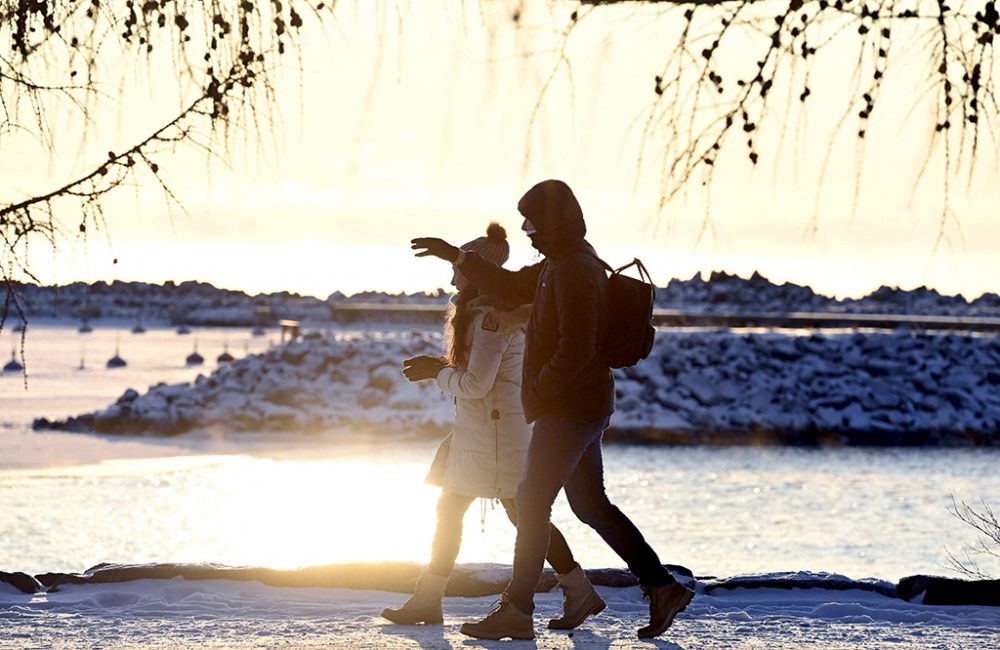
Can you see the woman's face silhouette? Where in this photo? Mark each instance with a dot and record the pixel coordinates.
(459, 281)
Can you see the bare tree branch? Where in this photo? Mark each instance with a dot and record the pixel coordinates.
(987, 526)
(696, 114)
(58, 55)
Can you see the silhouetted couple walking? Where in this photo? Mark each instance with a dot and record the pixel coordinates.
(567, 392)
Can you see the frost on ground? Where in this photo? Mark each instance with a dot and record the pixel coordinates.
(229, 614)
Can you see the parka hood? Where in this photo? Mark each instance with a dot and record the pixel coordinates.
(508, 319)
(554, 211)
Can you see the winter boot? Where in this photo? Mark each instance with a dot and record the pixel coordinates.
(580, 600)
(665, 602)
(504, 621)
(424, 606)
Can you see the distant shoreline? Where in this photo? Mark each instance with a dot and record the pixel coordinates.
(202, 304)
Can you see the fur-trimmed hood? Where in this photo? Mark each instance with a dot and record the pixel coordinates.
(516, 318)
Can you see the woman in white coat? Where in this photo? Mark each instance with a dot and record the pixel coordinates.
(485, 453)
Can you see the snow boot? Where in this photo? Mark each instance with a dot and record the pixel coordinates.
(580, 600)
(425, 604)
(503, 622)
(665, 602)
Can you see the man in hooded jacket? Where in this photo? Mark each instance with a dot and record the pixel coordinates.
(568, 393)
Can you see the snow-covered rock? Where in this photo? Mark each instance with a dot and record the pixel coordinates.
(721, 291)
(480, 580)
(860, 388)
(306, 385)
(697, 386)
(934, 590)
(18, 582)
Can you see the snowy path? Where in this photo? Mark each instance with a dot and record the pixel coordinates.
(228, 614)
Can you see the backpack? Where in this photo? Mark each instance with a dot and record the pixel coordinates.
(629, 335)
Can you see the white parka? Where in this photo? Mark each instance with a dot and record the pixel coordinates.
(490, 437)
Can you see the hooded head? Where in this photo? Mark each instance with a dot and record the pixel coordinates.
(554, 211)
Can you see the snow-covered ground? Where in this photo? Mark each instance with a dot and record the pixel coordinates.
(226, 614)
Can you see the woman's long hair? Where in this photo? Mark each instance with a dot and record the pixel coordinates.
(456, 349)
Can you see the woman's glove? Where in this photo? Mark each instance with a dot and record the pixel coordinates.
(422, 367)
(432, 246)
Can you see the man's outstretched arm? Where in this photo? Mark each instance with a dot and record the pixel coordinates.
(515, 287)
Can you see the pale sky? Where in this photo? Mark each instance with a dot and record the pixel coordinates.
(413, 120)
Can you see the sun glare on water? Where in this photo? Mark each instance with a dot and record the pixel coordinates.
(289, 510)
(277, 513)
(287, 514)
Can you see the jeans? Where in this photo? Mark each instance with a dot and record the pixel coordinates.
(448, 536)
(566, 453)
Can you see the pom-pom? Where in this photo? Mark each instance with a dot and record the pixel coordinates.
(496, 233)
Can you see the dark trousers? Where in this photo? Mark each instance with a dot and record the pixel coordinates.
(566, 453)
(451, 510)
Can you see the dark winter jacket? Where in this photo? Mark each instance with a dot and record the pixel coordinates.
(564, 371)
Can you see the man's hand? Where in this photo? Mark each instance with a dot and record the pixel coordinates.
(422, 367)
(432, 246)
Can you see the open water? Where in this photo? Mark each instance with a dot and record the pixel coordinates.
(69, 501)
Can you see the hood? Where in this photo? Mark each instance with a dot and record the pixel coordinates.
(516, 318)
(554, 211)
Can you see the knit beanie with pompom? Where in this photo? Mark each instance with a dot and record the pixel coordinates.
(492, 247)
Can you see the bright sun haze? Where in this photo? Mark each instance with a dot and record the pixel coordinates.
(432, 129)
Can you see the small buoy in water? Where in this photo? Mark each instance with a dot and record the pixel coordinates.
(85, 328)
(116, 362)
(258, 331)
(13, 365)
(225, 357)
(138, 329)
(183, 329)
(194, 359)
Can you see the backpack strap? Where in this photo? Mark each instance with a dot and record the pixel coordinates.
(636, 262)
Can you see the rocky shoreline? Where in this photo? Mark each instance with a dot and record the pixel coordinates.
(484, 580)
(698, 387)
(862, 388)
